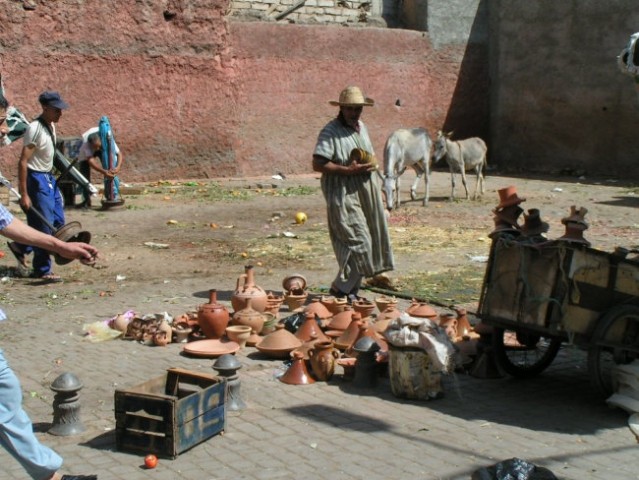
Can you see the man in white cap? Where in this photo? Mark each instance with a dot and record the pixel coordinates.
(353, 194)
(37, 185)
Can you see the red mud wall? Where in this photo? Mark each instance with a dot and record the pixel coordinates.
(190, 95)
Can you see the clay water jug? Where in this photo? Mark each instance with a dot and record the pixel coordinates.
(213, 317)
(250, 317)
(246, 289)
(322, 358)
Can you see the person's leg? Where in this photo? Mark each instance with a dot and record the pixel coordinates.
(40, 187)
(85, 170)
(16, 430)
(347, 281)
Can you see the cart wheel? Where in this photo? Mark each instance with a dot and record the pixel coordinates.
(522, 354)
(614, 342)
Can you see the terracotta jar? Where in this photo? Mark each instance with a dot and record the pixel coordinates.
(297, 373)
(249, 316)
(278, 344)
(213, 317)
(322, 358)
(317, 308)
(246, 289)
(310, 329)
(422, 310)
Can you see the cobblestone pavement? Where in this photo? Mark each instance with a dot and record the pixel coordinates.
(321, 431)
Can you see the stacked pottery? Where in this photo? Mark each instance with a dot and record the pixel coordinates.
(213, 317)
(297, 373)
(319, 311)
(295, 294)
(322, 358)
(252, 318)
(278, 344)
(247, 290)
(340, 322)
(273, 303)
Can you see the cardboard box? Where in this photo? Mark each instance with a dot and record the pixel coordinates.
(171, 413)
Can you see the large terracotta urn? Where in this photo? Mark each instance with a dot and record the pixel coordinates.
(246, 289)
(322, 358)
(213, 317)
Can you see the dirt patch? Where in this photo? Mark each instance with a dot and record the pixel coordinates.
(175, 240)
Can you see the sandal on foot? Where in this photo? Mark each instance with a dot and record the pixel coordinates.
(17, 253)
(50, 278)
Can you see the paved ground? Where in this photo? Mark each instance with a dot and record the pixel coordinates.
(325, 430)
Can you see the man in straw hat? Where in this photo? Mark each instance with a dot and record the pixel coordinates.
(353, 194)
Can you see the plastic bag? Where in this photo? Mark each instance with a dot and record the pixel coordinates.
(513, 469)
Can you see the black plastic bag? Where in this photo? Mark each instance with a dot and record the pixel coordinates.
(513, 469)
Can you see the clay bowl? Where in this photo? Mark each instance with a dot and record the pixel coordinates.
(364, 307)
(294, 282)
(238, 334)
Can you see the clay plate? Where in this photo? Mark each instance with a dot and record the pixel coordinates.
(210, 348)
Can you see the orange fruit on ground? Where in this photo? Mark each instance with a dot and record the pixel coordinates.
(150, 461)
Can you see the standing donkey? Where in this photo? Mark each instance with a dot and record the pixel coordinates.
(406, 148)
(462, 156)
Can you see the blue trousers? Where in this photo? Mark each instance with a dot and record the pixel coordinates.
(47, 199)
(16, 430)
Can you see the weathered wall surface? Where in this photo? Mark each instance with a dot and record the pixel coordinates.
(558, 100)
(191, 95)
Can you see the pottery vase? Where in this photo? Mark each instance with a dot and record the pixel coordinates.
(322, 358)
(250, 317)
(238, 334)
(213, 317)
(297, 373)
(246, 289)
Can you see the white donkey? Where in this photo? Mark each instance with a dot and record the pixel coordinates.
(406, 148)
(462, 156)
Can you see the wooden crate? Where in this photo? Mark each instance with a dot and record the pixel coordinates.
(171, 413)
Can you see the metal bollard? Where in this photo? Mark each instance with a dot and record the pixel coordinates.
(366, 369)
(227, 366)
(66, 406)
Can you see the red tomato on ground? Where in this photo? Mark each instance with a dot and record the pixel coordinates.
(150, 461)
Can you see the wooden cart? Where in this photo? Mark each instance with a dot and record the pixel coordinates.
(536, 296)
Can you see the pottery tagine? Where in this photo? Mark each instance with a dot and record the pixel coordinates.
(297, 373)
(278, 344)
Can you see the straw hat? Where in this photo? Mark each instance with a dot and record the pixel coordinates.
(352, 97)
